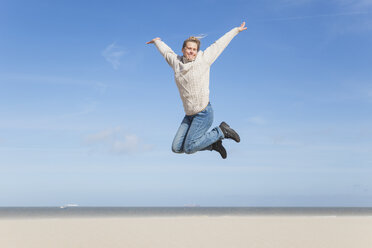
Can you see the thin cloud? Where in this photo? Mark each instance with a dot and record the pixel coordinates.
(100, 87)
(351, 4)
(297, 2)
(23, 78)
(278, 139)
(102, 136)
(201, 36)
(129, 144)
(369, 94)
(317, 16)
(113, 54)
(48, 79)
(349, 16)
(257, 120)
(85, 110)
(342, 8)
(355, 4)
(117, 141)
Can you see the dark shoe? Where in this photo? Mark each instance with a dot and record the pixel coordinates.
(217, 146)
(229, 133)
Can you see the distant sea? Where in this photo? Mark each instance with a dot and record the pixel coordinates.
(57, 212)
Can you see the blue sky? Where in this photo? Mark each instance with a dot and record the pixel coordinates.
(88, 111)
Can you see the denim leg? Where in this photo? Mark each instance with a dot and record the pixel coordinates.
(198, 138)
(179, 138)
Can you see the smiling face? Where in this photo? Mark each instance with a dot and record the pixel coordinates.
(190, 50)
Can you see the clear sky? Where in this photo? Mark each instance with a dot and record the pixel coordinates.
(88, 111)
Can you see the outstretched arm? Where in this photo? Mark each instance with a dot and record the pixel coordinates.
(165, 50)
(214, 50)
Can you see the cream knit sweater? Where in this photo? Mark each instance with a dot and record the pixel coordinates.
(192, 77)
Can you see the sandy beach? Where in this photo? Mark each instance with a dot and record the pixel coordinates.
(182, 232)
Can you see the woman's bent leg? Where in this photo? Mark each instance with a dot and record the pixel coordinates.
(198, 138)
(179, 138)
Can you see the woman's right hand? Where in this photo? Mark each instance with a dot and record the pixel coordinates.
(153, 40)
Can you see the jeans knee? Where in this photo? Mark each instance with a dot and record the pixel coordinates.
(177, 150)
(189, 149)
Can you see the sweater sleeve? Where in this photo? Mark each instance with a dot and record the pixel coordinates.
(214, 50)
(167, 52)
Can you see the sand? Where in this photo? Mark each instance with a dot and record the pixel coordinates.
(182, 232)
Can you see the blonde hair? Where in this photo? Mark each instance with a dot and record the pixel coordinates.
(191, 39)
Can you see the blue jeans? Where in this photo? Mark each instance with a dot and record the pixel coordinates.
(192, 135)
